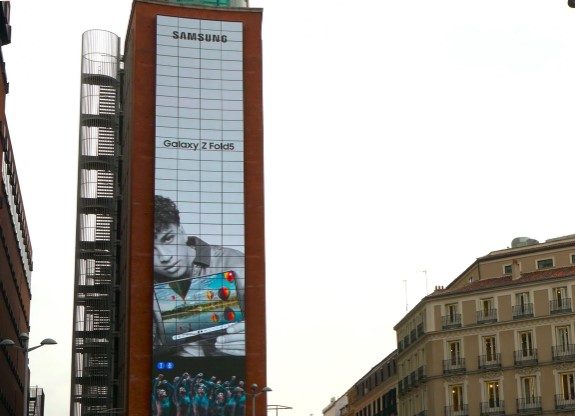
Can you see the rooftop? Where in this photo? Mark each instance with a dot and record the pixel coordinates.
(539, 275)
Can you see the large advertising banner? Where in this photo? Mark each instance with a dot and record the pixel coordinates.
(199, 272)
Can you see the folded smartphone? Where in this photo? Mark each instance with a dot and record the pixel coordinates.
(198, 307)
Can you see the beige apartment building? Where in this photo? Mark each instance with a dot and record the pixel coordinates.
(498, 340)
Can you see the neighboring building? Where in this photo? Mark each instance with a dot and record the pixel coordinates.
(375, 393)
(498, 340)
(336, 407)
(176, 122)
(36, 402)
(15, 258)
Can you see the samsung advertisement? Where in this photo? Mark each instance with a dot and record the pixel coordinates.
(199, 265)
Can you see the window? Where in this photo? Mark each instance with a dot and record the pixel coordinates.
(451, 312)
(567, 386)
(526, 340)
(507, 269)
(454, 352)
(572, 258)
(562, 333)
(544, 264)
(528, 389)
(559, 295)
(523, 306)
(492, 393)
(522, 299)
(456, 392)
(486, 306)
(490, 349)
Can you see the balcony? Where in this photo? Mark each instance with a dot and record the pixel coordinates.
(565, 402)
(529, 405)
(526, 357)
(490, 361)
(456, 410)
(406, 385)
(420, 330)
(523, 311)
(401, 389)
(421, 376)
(413, 381)
(564, 352)
(560, 306)
(451, 321)
(486, 316)
(454, 366)
(492, 407)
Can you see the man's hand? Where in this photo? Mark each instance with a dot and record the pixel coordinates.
(234, 342)
(192, 349)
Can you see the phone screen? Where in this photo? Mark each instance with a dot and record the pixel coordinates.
(198, 306)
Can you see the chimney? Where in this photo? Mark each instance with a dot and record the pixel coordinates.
(515, 270)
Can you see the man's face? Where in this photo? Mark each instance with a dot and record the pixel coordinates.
(172, 256)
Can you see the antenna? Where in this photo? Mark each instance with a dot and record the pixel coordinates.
(405, 284)
(426, 290)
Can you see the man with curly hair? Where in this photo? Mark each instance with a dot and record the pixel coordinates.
(179, 256)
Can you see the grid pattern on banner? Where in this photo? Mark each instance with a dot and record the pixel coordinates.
(200, 127)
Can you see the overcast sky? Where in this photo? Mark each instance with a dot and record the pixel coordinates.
(400, 136)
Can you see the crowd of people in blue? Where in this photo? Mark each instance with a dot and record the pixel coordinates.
(197, 396)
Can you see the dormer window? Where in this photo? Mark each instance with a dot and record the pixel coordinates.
(544, 264)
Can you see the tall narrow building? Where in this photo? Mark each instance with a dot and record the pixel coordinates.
(15, 259)
(170, 281)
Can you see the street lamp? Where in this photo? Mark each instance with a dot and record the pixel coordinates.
(278, 407)
(24, 337)
(255, 393)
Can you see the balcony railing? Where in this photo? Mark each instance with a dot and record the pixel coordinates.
(560, 305)
(523, 311)
(564, 352)
(526, 357)
(492, 407)
(490, 361)
(451, 321)
(454, 365)
(456, 410)
(564, 402)
(529, 405)
(486, 316)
